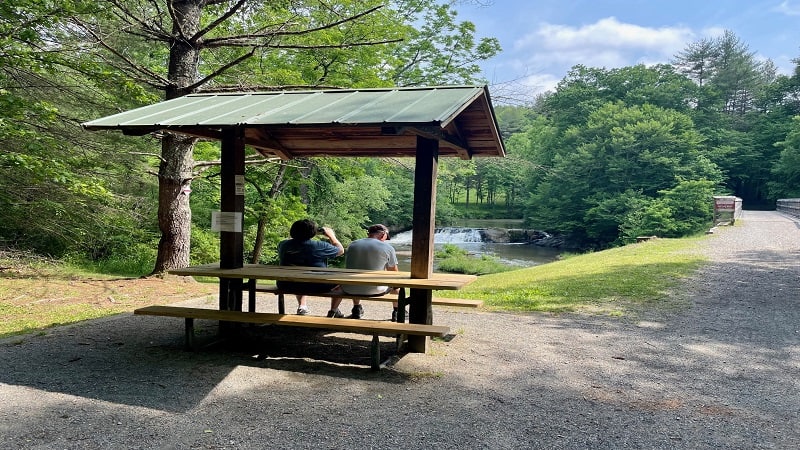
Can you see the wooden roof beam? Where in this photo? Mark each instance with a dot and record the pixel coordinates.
(436, 133)
(261, 140)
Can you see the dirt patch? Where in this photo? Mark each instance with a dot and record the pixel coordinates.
(111, 293)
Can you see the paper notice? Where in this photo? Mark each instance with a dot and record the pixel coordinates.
(226, 221)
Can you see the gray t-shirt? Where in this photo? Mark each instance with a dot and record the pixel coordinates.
(369, 254)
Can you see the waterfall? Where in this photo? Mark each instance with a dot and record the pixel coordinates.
(445, 235)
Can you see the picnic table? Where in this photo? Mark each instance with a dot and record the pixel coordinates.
(331, 275)
(327, 275)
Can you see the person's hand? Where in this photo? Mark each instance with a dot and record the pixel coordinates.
(327, 231)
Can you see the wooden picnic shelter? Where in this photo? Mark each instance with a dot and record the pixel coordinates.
(420, 122)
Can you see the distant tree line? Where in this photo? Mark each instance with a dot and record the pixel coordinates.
(613, 154)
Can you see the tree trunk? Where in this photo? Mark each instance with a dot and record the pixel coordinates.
(174, 213)
(177, 160)
(466, 185)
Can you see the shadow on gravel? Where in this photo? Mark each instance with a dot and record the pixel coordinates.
(139, 361)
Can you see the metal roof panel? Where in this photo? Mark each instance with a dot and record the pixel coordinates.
(303, 117)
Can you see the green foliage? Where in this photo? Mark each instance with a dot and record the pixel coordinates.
(742, 108)
(453, 259)
(437, 49)
(205, 245)
(620, 159)
(398, 180)
(348, 207)
(786, 183)
(134, 260)
(683, 210)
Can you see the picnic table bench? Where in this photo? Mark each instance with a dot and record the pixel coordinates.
(253, 272)
(400, 298)
(371, 327)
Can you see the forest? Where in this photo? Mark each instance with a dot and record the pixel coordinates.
(609, 155)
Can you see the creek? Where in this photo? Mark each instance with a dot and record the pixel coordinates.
(474, 241)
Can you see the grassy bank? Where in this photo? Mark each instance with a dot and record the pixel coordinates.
(611, 282)
(38, 294)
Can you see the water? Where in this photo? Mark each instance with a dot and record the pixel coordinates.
(469, 239)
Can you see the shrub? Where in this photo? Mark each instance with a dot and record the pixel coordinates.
(454, 259)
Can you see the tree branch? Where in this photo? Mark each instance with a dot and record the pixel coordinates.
(296, 32)
(130, 63)
(241, 41)
(194, 39)
(220, 70)
(251, 88)
(132, 18)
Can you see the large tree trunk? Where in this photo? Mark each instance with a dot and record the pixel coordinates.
(175, 171)
(174, 213)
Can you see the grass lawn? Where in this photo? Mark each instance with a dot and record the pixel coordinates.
(610, 282)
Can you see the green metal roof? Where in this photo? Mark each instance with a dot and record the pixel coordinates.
(364, 122)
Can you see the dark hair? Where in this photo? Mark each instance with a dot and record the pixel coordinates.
(303, 230)
(378, 228)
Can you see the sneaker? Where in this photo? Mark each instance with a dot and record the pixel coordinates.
(358, 311)
(335, 313)
(302, 311)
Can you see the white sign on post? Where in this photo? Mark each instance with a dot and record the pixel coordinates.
(226, 221)
(239, 182)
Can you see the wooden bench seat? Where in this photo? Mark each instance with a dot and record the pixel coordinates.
(272, 289)
(362, 326)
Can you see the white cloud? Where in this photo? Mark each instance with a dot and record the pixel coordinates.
(542, 82)
(605, 43)
(611, 33)
(713, 32)
(788, 8)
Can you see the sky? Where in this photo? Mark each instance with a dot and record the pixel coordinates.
(543, 39)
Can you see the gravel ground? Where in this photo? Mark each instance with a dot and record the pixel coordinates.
(720, 371)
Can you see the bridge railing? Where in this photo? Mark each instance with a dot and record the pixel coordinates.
(789, 206)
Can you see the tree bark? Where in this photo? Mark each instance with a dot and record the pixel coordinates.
(175, 170)
(174, 213)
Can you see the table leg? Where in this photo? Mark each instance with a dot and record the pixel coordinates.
(401, 306)
(375, 352)
(189, 332)
(251, 295)
(420, 311)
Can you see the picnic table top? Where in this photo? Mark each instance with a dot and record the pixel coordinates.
(332, 275)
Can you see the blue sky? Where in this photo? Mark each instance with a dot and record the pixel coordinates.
(542, 39)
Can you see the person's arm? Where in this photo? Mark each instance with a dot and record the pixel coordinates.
(328, 232)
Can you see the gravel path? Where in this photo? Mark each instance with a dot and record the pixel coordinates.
(721, 372)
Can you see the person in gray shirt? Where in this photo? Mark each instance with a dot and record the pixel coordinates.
(371, 253)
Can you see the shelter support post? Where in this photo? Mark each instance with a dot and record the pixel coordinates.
(420, 309)
(231, 217)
